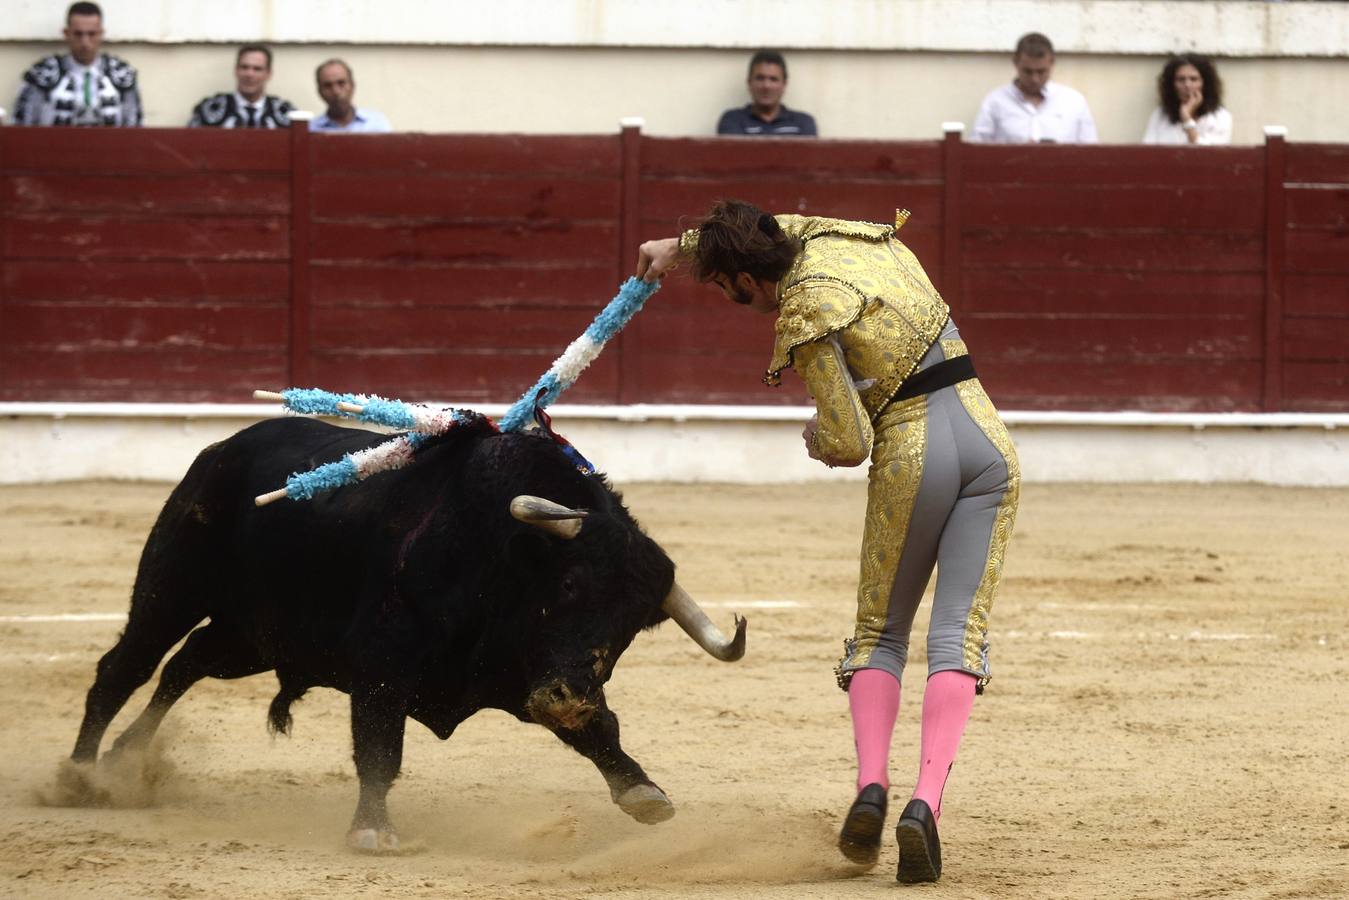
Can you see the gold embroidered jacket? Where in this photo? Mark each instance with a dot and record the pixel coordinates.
(856, 314)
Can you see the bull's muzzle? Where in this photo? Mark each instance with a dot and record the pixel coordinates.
(680, 606)
(556, 705)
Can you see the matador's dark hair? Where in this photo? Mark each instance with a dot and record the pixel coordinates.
(736, 236)
(1166, 85)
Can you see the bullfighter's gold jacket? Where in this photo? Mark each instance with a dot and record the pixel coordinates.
(856, 315)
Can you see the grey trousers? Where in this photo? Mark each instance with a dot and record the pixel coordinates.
(943, 488)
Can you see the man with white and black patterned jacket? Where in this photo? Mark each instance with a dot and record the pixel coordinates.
(82, 87)
(248, 105)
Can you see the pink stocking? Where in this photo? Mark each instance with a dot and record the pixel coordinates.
(873, 697)
(946, 708)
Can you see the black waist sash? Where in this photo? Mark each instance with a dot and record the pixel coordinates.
(937, 376)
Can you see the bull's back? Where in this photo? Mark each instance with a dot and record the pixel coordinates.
(212, 548)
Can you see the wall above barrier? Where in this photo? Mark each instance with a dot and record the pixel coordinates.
(176, 265)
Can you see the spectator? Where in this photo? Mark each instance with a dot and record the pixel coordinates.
(248, 105)
(336, 86)
(1192, 110)
(766, 113)
(1033, 109)
(82, 87)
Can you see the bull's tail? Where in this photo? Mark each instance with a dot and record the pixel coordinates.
(278, 714)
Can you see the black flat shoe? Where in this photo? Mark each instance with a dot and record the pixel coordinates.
(919, 848)
(860, 838)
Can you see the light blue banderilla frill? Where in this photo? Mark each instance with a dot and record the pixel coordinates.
(420, 421)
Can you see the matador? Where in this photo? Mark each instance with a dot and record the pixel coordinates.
(863, 326)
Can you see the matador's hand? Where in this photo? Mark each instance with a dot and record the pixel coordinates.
(655, 259)
(808, 435)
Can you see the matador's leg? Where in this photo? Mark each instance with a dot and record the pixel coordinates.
(970, 555)
(912, 485)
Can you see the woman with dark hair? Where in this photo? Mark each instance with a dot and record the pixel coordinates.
(874, 343)
(1191, 110)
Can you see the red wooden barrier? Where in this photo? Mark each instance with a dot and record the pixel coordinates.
(143, 265)
(1315, 345)
(301, 212)
(690, 345)
(460, 268)
(193, 265)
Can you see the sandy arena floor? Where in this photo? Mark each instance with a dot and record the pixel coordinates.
(1167, 719)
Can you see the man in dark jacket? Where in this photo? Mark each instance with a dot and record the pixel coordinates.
(766, 113)
(248, 105)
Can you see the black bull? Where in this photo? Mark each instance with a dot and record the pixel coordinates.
(431, 592)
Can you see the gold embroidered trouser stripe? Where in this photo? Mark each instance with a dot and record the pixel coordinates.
(894, 478)
(943, 491)
(982, 411)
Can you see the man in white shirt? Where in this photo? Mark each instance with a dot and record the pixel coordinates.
(248, 105)
(1033, 109)
(82, 87)
(337, 86)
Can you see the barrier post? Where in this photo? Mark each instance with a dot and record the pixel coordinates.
(1276, 221)
(300, 211)
(630, 235)
(4, 384)
(953, 198)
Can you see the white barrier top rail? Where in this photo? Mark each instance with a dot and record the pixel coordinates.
(644, 412)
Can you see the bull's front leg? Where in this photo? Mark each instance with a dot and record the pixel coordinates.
(635, 793)
(378, 717)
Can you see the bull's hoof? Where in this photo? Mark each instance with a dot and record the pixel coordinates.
(370, 840)
(76, 784)
(646, 803)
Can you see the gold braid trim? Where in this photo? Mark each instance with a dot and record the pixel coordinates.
(688, 244)
(807, 227)
(810, 309)
(981, 409)
(893, 481)
(952, 349)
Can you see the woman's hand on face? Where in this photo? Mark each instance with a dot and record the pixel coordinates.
(655, 259)
(1190, 105)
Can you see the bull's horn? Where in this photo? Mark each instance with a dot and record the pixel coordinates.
(553, 518)
(680, 607)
